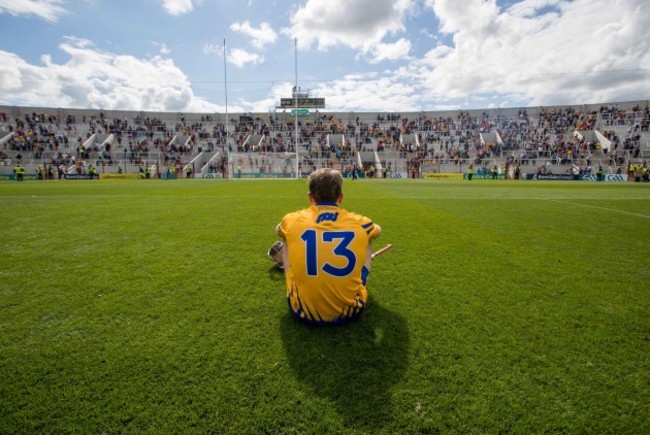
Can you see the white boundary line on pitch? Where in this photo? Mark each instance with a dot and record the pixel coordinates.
(601, 208)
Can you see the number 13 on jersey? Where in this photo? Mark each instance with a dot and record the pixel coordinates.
(335, 242)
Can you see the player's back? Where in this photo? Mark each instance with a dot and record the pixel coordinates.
(327, 250)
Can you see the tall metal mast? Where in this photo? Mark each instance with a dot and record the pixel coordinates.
(225, 84)
(295, 100)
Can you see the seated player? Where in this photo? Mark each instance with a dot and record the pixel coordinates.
(325, 254)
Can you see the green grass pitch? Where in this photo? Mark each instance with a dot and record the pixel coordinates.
(150, 306)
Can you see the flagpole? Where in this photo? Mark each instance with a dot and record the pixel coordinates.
(225, 85)
(295, 100)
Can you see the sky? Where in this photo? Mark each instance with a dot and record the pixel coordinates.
(216, 56)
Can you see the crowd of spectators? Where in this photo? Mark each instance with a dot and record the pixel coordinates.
(63, 139)
(459, 138)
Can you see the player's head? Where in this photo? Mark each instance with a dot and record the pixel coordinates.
(325, 185)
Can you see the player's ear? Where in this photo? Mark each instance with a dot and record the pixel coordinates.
(340, 200)
(311, 198)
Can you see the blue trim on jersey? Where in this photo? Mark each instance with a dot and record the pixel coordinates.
(364, 275)
(327, 203)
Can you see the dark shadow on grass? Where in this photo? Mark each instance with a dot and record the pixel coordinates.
(354, 365)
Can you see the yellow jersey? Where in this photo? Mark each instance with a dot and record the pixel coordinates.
(327, 248)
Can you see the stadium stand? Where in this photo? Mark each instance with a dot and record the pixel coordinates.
(540, 139)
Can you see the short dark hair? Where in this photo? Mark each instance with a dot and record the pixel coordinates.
(325, 185)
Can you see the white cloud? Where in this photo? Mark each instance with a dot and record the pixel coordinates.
(48, 10)
(212, 49)
(260, 37)
(278, 91)
(466, 16)
(97, 79)
(178, 7)
(395, 51)
(240, 58)
(358, 24)
(428, 34)
(539, 52)
(354, 92)
(237, 56)
(531, 7)
(536, 52)
(372, 92)
(78, 42)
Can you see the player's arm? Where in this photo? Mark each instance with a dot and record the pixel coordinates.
(372, 229)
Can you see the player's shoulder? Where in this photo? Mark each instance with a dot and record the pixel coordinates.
(351, 220)
(354, 216)
(295, 215)
(367, 224)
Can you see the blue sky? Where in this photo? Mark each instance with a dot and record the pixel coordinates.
(360, 55)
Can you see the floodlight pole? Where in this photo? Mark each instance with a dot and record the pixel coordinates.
(295, 100)
(225, 84)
